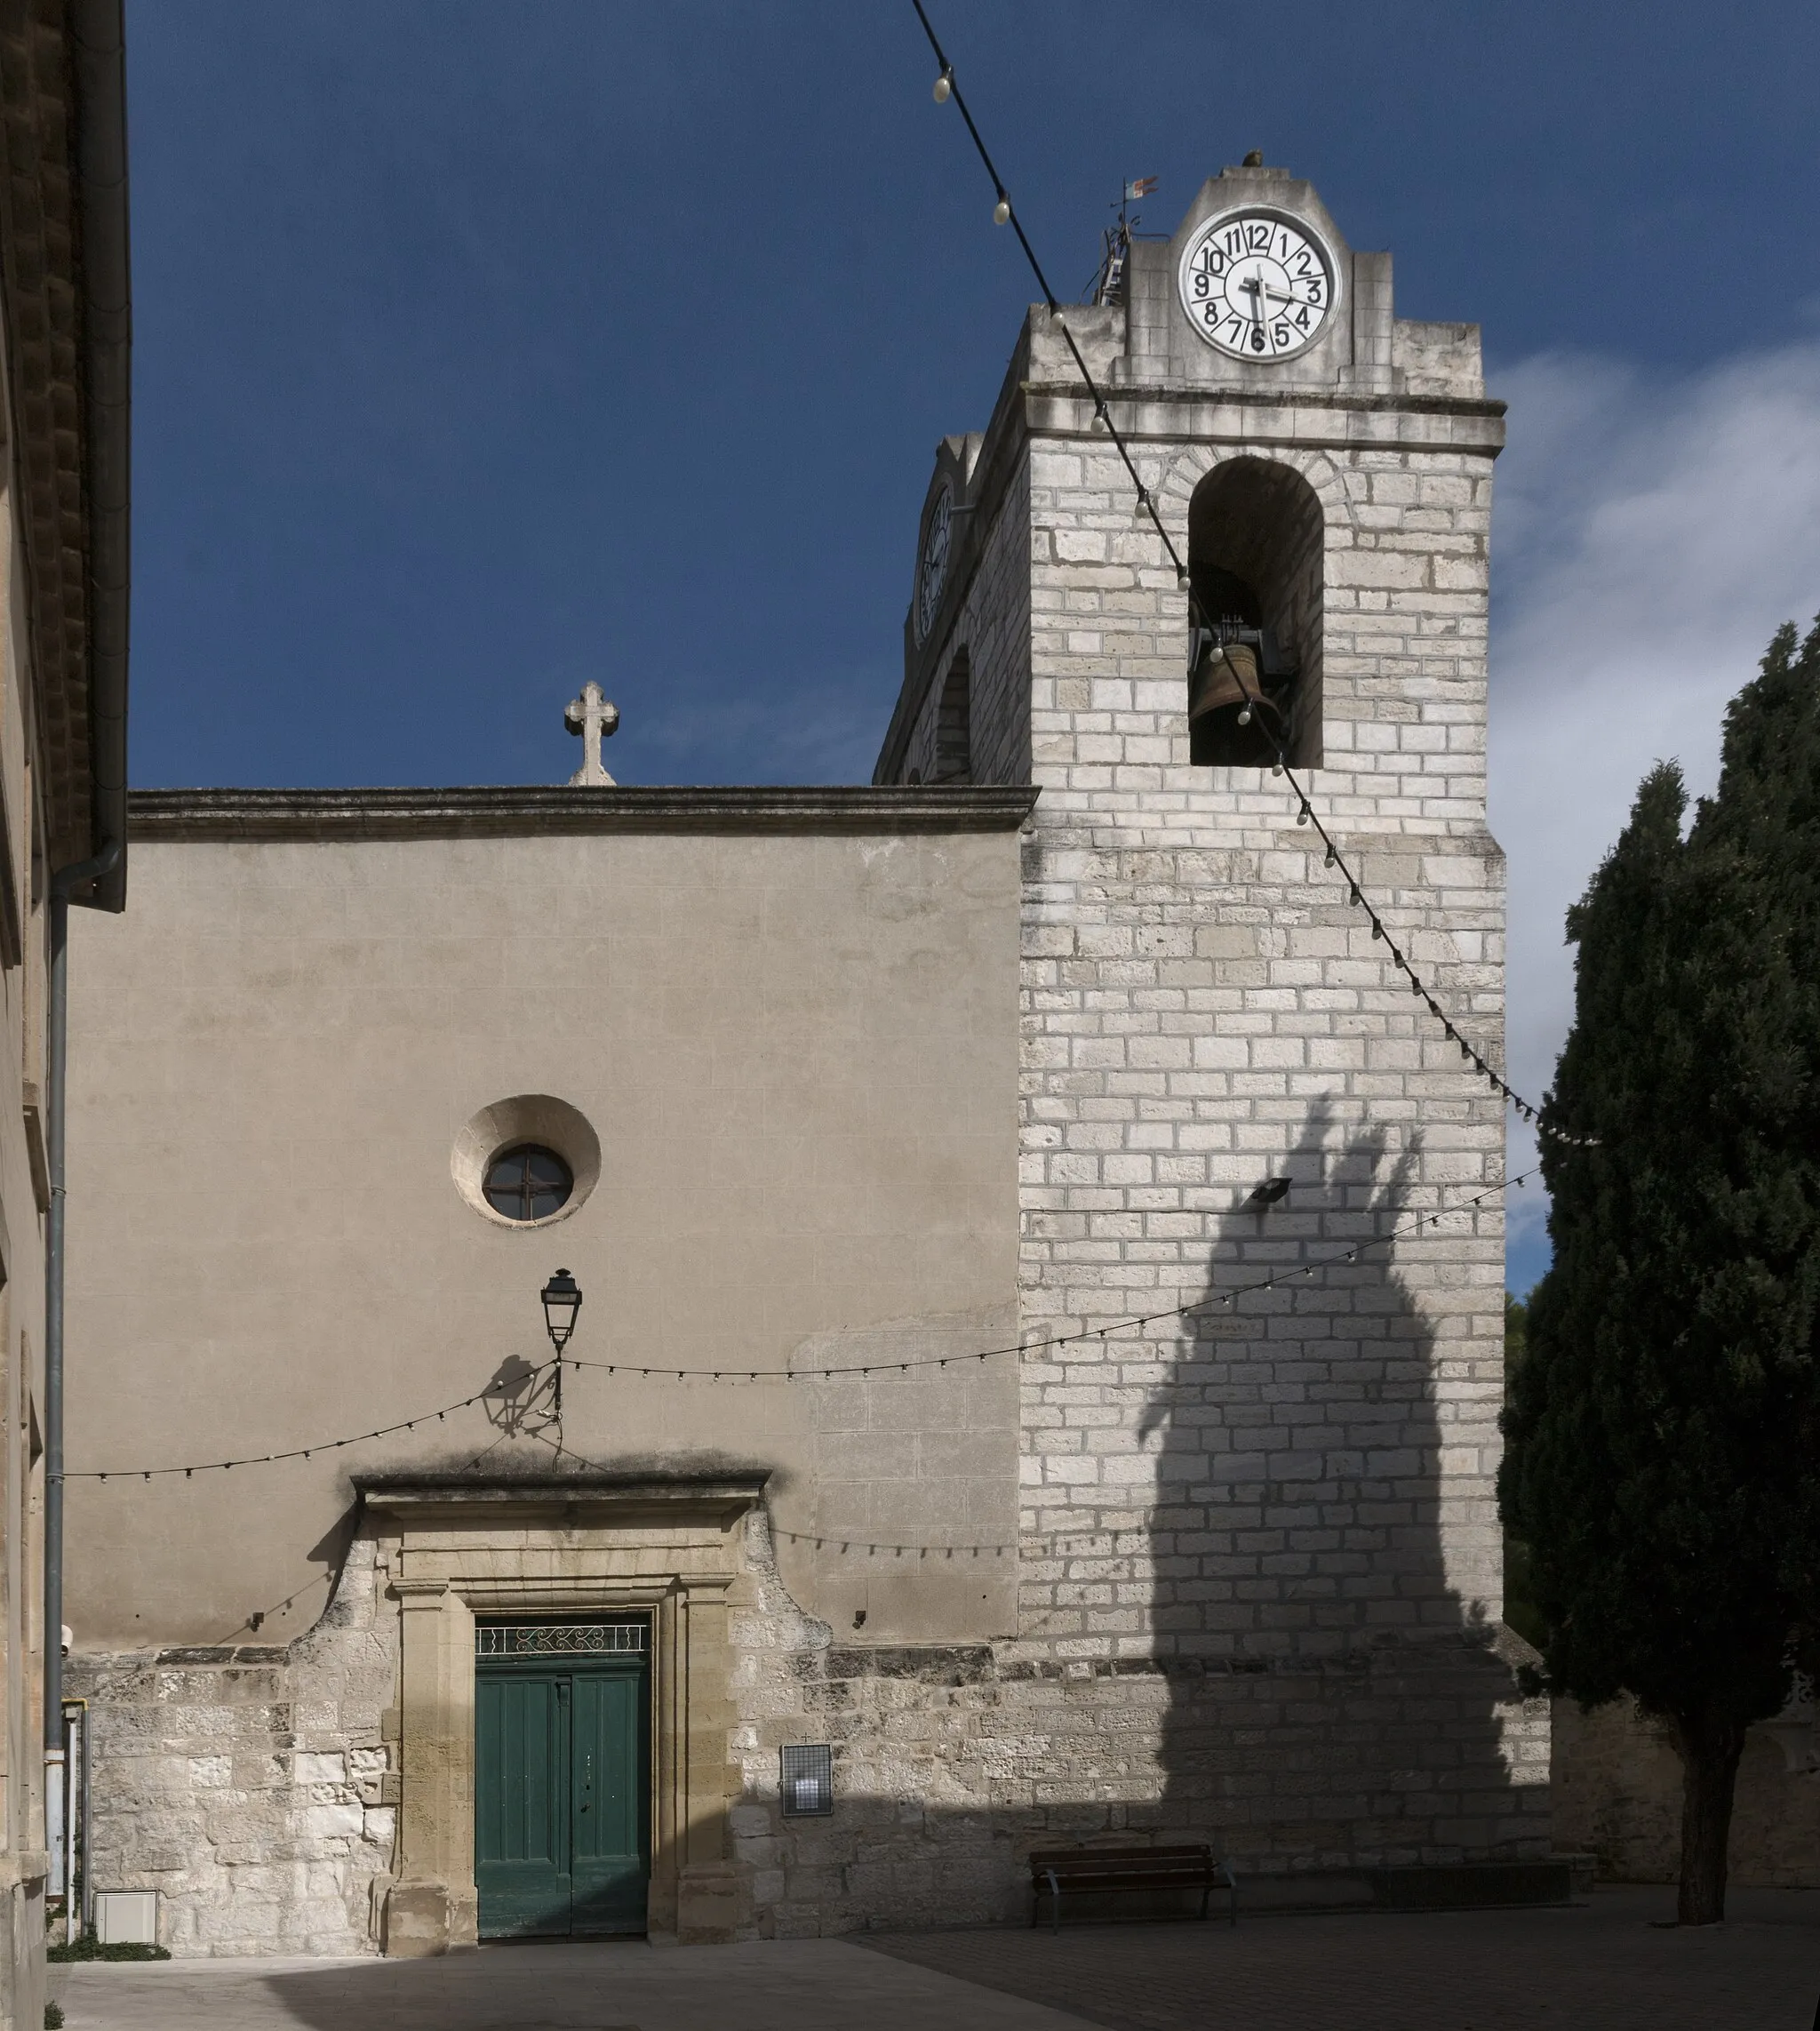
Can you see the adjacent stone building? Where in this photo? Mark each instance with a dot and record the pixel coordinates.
(64, 305)
(1043, 1268)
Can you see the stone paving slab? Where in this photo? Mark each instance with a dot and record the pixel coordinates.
(1605, 1966)
(791, 1985)
(1601, 1967)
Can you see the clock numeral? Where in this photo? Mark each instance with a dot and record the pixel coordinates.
(1201, 286)
(1314, 295)
(1301, 318)
(1257, 238)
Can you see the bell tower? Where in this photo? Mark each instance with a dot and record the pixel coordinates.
(1270, 1499)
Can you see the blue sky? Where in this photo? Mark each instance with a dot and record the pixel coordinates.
(484, 349)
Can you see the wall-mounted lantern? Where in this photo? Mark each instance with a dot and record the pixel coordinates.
(562, 1297)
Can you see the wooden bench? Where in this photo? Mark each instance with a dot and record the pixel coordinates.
(1194, 1867)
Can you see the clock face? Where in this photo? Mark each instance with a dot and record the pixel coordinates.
(932, 573)
(1257, 285)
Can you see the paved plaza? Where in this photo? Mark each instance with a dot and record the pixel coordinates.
(1603, 1966)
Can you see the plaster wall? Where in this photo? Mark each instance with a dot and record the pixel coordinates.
(24, 1198)
(798, 1055)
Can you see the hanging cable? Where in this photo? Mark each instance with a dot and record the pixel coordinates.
(1306, 814)
(826, 1371)
(492, 1392)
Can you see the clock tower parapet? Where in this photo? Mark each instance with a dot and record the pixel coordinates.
(1329, 318)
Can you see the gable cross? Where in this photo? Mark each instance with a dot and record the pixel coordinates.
(593, 719)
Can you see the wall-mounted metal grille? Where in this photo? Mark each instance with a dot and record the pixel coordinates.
(807, 1784)
(560, 1639)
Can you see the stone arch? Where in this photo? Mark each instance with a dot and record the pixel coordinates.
(1257, 537)
(954, 723)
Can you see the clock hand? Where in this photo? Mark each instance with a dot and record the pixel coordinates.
(1255, 286)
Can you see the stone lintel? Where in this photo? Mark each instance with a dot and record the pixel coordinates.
(417, 1501)
(563, 810)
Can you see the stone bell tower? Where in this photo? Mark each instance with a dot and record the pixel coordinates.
(1272, 1522)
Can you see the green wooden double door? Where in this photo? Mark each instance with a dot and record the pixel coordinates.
(561, 1797)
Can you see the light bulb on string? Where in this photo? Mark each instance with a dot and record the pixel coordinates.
(1245, 716)
(1001, 211)
(944, 87)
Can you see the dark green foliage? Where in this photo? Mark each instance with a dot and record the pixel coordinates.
(87, 1948)
(1663, 1424)
(53, 2017)
(1522, 1611)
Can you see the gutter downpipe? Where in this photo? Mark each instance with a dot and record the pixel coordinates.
(100, 147)
(56, 1067)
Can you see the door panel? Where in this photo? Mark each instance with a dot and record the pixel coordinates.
(607, 1800)
(521, 1803)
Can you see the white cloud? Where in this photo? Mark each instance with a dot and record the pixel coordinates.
(1649, 537)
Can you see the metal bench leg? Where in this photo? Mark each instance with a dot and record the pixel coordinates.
(1055, 1893)
(1233, 1881)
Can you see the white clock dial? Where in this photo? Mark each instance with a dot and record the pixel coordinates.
(932, 572)
(1257, 285)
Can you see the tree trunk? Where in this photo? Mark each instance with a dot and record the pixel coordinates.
(1710, 1745)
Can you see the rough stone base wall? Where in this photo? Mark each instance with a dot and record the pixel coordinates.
(952, 1765)
(256, 1789)
(1617, 1795)
(251, 1789)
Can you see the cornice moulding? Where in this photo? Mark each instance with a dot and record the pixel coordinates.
(540, 810)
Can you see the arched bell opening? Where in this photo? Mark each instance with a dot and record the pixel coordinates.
(954, 725)
(1255, 542)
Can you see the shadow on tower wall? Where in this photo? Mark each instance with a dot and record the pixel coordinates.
(1333, 1702)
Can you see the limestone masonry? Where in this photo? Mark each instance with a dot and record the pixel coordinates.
(994, 1054)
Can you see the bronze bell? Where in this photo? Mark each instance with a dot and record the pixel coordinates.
(1226, 675)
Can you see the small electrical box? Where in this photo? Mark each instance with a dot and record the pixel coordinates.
(126, 1917)
(807, 1779)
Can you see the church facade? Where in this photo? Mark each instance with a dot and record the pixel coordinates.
(1040, 1347)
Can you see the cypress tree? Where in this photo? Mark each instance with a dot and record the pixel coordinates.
(1663, 1428)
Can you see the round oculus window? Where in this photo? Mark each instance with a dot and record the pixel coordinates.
(527, 1182)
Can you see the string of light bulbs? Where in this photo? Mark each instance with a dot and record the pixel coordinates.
(1220, 1300)
(1004, 212)
(492, 1392)
(1290, 1275)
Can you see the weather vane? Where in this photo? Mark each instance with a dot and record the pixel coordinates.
(1108, 285)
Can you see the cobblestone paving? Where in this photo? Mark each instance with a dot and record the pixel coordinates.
(1603, 1967)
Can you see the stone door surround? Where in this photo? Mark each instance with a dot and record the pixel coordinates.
(457, 1548)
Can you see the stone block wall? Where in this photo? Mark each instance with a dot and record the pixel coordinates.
(254, 1788)
(1309, 1467)
(1617, 1797)
(952, 1764)
(992, 632)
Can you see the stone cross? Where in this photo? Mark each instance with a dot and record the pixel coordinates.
(594, 719)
